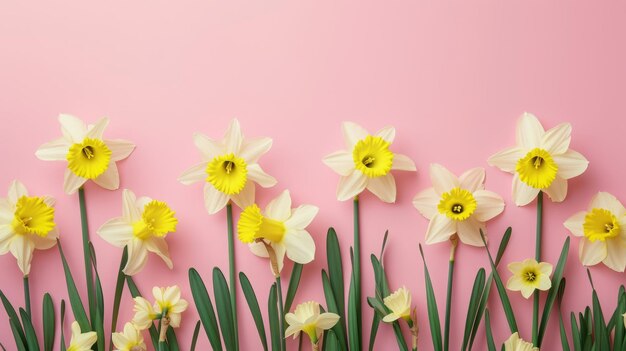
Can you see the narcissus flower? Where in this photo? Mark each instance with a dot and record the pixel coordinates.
(26, 224)
(280, 228)
(367, 163)
(457, 205)
(81, 341)
(229, 168)
(515, 343)
(142, 228)
(307, 319)
(528, 276)
(168, 304)
(602, 229)
(399, 302)
(88, 156)
(541, 161)
(129, 340)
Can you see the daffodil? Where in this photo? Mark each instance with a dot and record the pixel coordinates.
(367, 164)
(142, 228)
(280, 229)
(399, 302)
(515, 343)
(81, 341)
(307, 319)
(129, 340)
(144, 313)
(168, 305)
(457, 205)
(602, 229)
(541, 161)
(88, 156)
(26, 223)
(229, 168)
(528, 276)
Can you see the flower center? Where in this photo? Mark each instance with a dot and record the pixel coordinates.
(253, 225)
(227, 173)
(457, 204)
(600, 224)
(311, 330)
(372, 157)
(537, 169)
(33, 216)
(530, 276)
(89, 159)
(157, 220)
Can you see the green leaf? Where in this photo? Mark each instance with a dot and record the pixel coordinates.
(172, 341)
(134, 292)
(18, 332)
(205, 309)
(117, 298)
(78, 308)
(18, 341)
(272, 315)
(503, 244)
(354, 307)
(253, 304)
(599, 327)
(31, 336)
(294, 282)
(98, 322)
(335, 275)
(62, 325)
(619, 321)
(556, 281)
(433, 312)
(559, 299)
(474, 303)
(491, 346)
(331, 304)
(194, 339)
(224, 310)
(49, 326)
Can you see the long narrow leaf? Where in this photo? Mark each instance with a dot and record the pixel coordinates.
(331, 304)
(559, 299)
(576, 342)
(205, 309)
(474, 303)
(19, 343)
(433, 312)
(335, 276)
(253, 304)
(491, 346)
(599, 327)
(354, 325)
(294, 282)
(119, 288)
(194, 338)
(224, 309)
(29, 330)
(18, 331)
(78, 308)
(98, 322)
(62, 325)
(552, 294)
(272, 315)
(619, 322)
(49, 326)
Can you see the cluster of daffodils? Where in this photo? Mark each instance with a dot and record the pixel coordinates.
(307, 318)
(167, 308)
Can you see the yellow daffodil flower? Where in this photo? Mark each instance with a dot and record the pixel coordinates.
(307, 319)
(515, 343)
(541, 161)
(281, 228)
(81, 341)
(144, 313)
(142, 228)
(457, 205)
(88, 156)
(129, 340)
(399, 302)
(26, 224)
(367, 164)
(528, 276)
(602, 229)
(168, 304)
(229, 168)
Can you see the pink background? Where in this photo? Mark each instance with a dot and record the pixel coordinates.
(452, 77)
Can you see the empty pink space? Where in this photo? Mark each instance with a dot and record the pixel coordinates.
(452, 77)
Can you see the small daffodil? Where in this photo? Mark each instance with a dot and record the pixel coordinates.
(457, 205)
(541, 161)
(229, 168)
(367, 163)
(602, 229)
(81, 341)
(515, 343)
(129, 340)
(528, 276)
(144, 313)
(168, 305)
(26, 223)
(142, 228)
(88, 155)
(307, 319)
(399, 302)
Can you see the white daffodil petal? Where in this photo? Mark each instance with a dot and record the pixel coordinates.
(402, 163)
(159, 247)
(592, 252)
(72, 182)
(529, 131)
(384, 187)
(279, 250)
(245, 198)
(616, 256)
(522, 193)
(194, 174)
(507, 159)
(130, 211)
(72, 128)
(6, 234)
(341, 162)
(120, 149)
(207, 146)
(302, 216)
(300, 246)
(214, 200)
(233, 137)
(253, 149)
(609, 202)
(426, 202)
(439, 229)
(488, 205)
(137, 257)
(6, 211)
(557, 190)
(352, 133)
(16, 190)
(22, 249)
(469, 231)
(116, 231)
(473, 179)
(280, 207)
(556, 140)
(110, 179)
(443, 180)
(351, 185)
(55, 150)
(258, 249)
(387, 133)
(96, 131)
(571, 164)
(390, 318)
(575, 223)
(44, 243)
(258, 175)
(327, 320)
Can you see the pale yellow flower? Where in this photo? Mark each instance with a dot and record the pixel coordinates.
(515, 343)
(229, 168)
(457, 205)
(26, 223)
(81, 341)
(281, 227)
(528, 276)
(541, 161)
(142, 228)
(129, 340)
(144, 313)
(367, 164)
(89, 156)
(168, 300)
(399, 302)
(602, 232)
(308, 319)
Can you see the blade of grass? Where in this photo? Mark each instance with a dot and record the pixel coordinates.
(253, 304)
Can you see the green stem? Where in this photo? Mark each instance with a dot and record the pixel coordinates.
(232, 272)
(357, 267)
(281, 320)
(454, 241)
(27, 296)
(538, 258)
(91, 295)
(119, 286)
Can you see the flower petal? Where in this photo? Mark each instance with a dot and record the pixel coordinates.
(44, 243)
(384, 187)
(557, 190)
(469, 231)
(341, 162)
(439, 229)
(258, 175)
(6, 234)
(130, 211)
(120, 149)
(556, 140)
(116, 231)
(507, 159)
(488, 205)
(616, 255)
(388, 133)
(473, 179)
(575, 223)
(279, 250)
(253, 149)
(514, 283)
(194, 174)
(110, 179)
(327, 320)
(207, 146)
(16, 190)
(214, 200)
(95, 131)
(73, 129)
(443, 180)
(302, 216)
(391, 317)
(72, 182)
(592, 252)
(233, 138)
(522, 193)
(22, 249)
(426, 202)
(570, 164)
(300, 246)
(6, 211)
(280, 207)
(137, 257)
(258, 249)
(608, 202)
(55, 150)
(529, 131)
(351, 185)
(402, 163)
(352, 133)
(245, 197)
